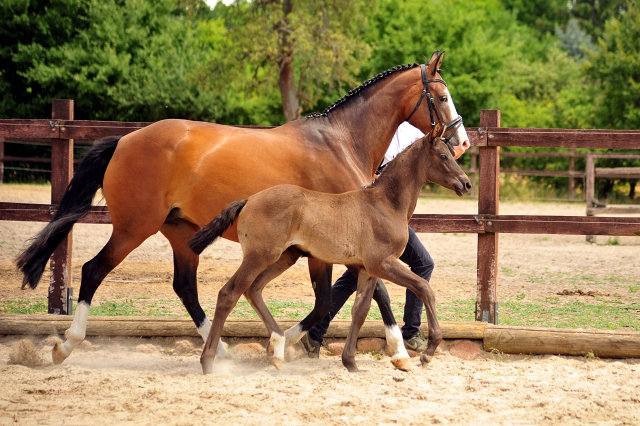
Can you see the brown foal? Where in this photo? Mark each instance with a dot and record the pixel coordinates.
(364, 229)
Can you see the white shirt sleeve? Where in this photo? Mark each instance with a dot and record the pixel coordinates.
(404, 136)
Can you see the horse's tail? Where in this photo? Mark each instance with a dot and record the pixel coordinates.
(214, 229)
(75, 203)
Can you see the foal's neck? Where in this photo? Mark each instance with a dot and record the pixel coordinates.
(403, 178)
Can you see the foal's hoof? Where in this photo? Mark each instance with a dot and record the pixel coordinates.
(207, 366)
(57, 354)
(425, 359)
(402, 364)
(277, 363)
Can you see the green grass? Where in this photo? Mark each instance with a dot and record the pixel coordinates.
(33, 306)
(599, 313)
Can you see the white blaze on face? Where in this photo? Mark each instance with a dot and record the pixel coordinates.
(461, 133)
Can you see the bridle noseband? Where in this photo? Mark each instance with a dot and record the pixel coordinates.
(454, 124)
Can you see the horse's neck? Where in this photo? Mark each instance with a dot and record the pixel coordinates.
(369, 121)
(401, 181)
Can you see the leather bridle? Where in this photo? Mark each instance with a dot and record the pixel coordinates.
(433, 111)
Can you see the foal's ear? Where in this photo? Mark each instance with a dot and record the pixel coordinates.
(437, 131)
(434, 63)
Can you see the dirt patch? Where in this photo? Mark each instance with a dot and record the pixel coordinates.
(119, 384)
(151, 381)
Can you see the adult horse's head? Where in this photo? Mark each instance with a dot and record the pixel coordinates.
(434, 105)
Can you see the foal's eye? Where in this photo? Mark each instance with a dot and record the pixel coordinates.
(443, 157)
(443, 99)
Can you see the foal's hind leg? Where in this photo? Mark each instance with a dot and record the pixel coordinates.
(320, 274)
(252, 265)
(93, 272)
(254, 296)
(185, 268)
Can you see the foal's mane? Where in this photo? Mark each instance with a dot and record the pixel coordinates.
(357, 90)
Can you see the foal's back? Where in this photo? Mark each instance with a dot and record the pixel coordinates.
(343, 228)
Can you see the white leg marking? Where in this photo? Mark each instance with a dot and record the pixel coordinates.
(76, 333)
(277, 342)
(293, 335)
(394, 339)
(203, 331)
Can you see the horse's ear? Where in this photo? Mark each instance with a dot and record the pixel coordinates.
(434, 63)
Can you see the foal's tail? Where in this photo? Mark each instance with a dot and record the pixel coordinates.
(75, 203)
(214, 229)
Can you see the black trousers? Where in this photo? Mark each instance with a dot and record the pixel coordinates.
(417, 257)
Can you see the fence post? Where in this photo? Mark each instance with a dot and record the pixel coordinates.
(473, 170)
(572, 169)
(1, 160)
(590, 189)
(61, 173)
(488, 203)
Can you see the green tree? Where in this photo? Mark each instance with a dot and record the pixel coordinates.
(305, 47)
(615, 69)
(132, 60)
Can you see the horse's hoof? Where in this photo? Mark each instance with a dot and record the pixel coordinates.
(277, 363)
(425, 359)
(270, 349)
(57, 354)
(402, 364)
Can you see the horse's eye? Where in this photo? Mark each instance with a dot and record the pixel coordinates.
(443, 99)
(443, 157)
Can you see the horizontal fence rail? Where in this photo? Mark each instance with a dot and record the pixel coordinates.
(488, 223)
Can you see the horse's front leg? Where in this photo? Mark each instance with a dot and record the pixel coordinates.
(320, 274)
(400, 358)
(391, 269)
(366, 286)
(254, 296)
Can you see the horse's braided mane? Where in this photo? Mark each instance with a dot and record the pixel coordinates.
(355, 91)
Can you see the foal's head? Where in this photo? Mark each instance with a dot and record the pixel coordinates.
(441, 166)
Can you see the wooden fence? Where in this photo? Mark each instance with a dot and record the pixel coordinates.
(61, 130)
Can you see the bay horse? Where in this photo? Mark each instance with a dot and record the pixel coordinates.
(365, 229)
(175, 175)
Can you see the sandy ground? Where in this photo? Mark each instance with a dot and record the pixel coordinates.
(145, 381)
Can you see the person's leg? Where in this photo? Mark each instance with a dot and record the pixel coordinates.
(417, 257)
(343, 288)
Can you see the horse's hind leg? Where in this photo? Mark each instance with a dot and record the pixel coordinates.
(93, 272)
(320, 274)
(185, 269)
(400, 358)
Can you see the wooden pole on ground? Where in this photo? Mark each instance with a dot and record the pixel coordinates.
(488, 204)
(61, 173)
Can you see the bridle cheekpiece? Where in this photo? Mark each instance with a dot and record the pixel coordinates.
(433, 111)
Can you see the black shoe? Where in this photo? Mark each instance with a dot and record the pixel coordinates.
(311, 346)
(417, 343)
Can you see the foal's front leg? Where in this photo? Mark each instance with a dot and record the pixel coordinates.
(391, 269)
(366, 286)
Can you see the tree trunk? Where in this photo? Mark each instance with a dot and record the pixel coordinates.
(286, 80)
